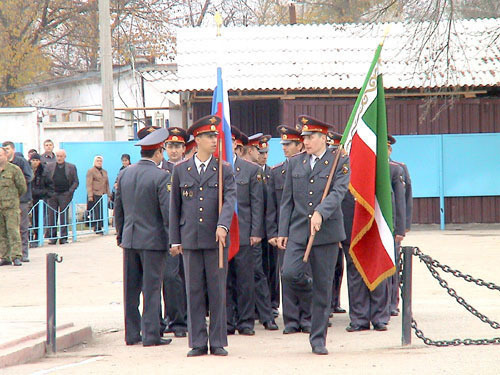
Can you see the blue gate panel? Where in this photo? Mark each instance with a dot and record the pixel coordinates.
(421, 153)
(471, 164)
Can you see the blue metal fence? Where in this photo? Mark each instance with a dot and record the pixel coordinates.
(48, 224)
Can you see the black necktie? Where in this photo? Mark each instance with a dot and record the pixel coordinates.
(202, 169)
(316, 159)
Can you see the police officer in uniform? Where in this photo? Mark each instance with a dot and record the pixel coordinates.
(257, 149)
(296, 313)
(403, 199)
(174, 318)
(141, 214)
(250, 219)
(176, 146)
(333, 142)
(303, 213)
(196, 229)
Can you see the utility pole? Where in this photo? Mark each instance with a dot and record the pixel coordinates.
(108, 106)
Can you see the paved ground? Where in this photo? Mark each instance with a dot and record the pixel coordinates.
(89, 292)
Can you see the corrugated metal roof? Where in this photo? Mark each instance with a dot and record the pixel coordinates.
(335, 56)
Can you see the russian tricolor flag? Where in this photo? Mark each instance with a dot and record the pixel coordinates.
(220, 108)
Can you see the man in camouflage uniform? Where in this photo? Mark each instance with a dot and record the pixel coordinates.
(12, 186)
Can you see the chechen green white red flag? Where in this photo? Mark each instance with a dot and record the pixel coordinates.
(365, 140)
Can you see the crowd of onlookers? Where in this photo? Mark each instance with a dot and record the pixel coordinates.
(46, 177)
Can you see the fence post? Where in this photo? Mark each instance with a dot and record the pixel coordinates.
(52, 258)
(105, 214)
(41, 221)
(406, 297)
(73, 219)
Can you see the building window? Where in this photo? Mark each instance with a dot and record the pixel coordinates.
(52, 118)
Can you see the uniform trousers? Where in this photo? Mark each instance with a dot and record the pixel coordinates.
(337, 279)
(142, 272)
(241, 290)
(296, 313)
(10, 238)
(322, 261)
(394, 279)
(271, 270)
(262, 295)
(204, 277)
(174, 295)
(365, 306)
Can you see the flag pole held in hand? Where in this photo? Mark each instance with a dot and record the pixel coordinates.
(325, 193)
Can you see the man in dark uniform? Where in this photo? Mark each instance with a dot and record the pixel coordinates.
(174, 318)
(404, 201)
(190, 147)
(250, 219)
(367, 306)
(176, 146)
(296, 313)
(196, 229)
(141, 214)
(303, 214)
(257, 149)
(333, 143)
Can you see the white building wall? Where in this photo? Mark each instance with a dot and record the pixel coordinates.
(20, 125)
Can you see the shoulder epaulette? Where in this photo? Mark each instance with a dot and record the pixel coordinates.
(278, 165)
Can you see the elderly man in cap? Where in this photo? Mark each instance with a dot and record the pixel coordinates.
(304, 213)
(296, 313)
(141, 213)
(97, 182)
(197, 228)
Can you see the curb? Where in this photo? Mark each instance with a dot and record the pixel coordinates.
(33, 347)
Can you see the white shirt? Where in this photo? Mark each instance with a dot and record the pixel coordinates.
(312, 159)
(198, 162)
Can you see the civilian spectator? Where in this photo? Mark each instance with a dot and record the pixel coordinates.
(32, 152)
(125, 161)
(12, 186)
(65, 180)
(97, 186)
(25, 201)
(42, 188)
(48, 156)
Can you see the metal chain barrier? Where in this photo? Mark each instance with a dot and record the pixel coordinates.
(432, 265)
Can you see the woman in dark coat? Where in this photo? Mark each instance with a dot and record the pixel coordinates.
(42, 188)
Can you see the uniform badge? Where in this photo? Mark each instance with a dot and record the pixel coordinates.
(188, 168)
(282, 171)
(345, 168)
(259, 177)
(326, 162)
(237, 169)
(190, 194)
(185, 193)
(169, 187)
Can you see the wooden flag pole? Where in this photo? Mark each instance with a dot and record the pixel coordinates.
(221, 188)
(325, 193)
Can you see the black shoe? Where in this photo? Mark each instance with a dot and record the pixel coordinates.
(356, 328)
(271, 325)
(331, 315)
(63, 241)
(218, 351)
(196, 352)
(290, 330)
(158, 343)
(133, 342)
(329, 324)
(5, 262)
(380, 327)
(231, 331)
(276, 313)
(25, 259)
(305, 329)
(52, 242)
(180, 334)
(17, 262)
(339, 310)
(33, 244)
(245, 332)
(394, 313)
(320, 350)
